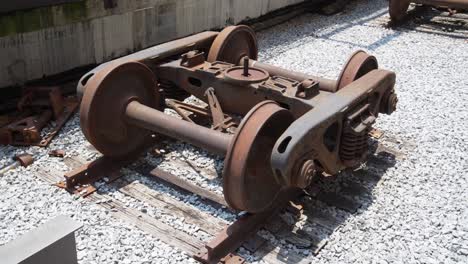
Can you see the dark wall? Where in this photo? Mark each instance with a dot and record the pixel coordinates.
(15, 5)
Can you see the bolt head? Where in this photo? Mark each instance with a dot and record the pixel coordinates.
(306, 174)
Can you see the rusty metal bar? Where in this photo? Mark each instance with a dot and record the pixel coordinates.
(234, 235)
(179, 111)
(156, 53)
(154, 120)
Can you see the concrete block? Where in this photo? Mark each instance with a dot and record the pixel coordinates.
(51, 243)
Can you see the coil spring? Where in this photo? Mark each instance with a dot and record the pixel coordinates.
(170, 90)
(353, 146)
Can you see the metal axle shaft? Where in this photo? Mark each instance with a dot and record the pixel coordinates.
(156, 121)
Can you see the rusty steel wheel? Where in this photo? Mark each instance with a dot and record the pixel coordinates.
(357, 66)
(397, 9)
(248, 180)
(232, 44)
(103, 105)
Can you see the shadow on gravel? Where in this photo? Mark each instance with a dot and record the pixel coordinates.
(325, 27)
(298, 232)
(329, 203)
(420, 19)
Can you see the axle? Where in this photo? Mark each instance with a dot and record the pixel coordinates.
(146, 117)
(358, 64)
(120, 108)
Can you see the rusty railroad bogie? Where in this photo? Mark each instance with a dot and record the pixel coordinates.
(398, 8)
(294, 125)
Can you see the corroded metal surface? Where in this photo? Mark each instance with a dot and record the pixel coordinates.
(104, 103)
(24, 159)
(37, 108)
(247, 164)
(359, 64)
(157, 54)
(242, 229)
(294, 126)
(247, 161)
(232, 44)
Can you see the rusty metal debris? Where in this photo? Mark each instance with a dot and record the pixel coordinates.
(375, 133)
(398, 8)
(37, 108)
(294, 126)
(59, 153)
(23, 160)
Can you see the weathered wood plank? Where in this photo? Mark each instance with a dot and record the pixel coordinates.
(75, 162)
(208, 173)
(162, 231)
(207, 222)
(49, 175)
(168, 234)
(188, 186)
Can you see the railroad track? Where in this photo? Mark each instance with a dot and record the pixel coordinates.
(428, 20)
(301, 229)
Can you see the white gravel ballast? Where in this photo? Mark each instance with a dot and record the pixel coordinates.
(416, 213)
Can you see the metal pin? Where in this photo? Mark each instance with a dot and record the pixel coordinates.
(246, 66)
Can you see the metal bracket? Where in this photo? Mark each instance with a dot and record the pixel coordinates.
(79, 181)
(215, 108)
(234, 235)
(200, 113)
